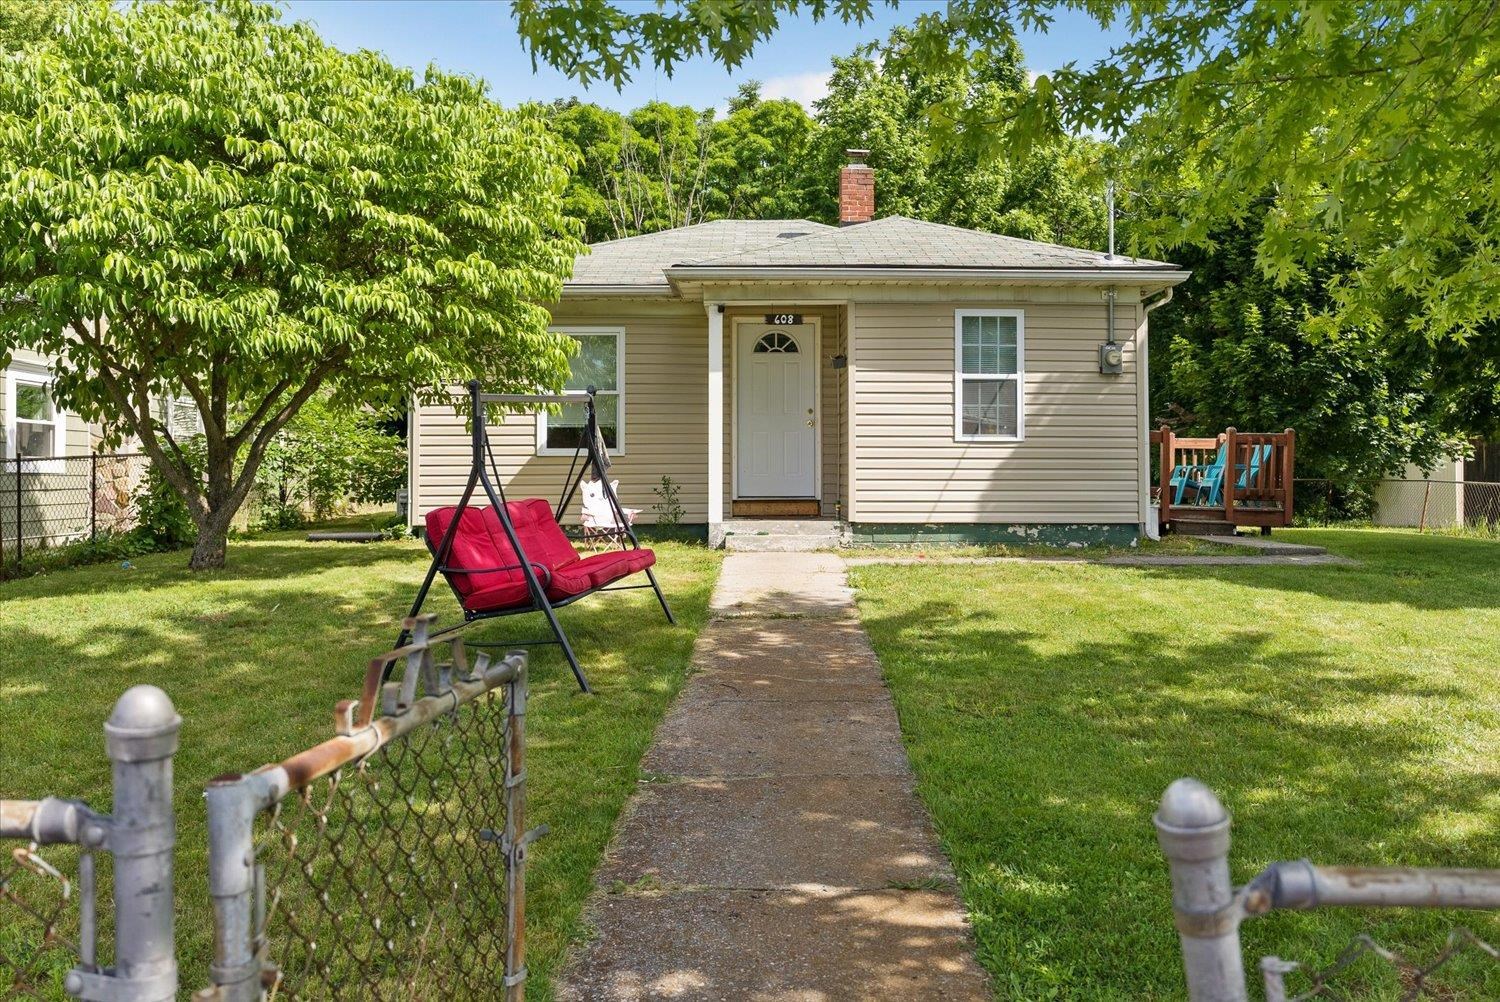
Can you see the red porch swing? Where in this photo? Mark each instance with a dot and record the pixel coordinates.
(513, 557)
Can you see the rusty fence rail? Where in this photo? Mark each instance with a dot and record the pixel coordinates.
(386, 862)
(1192, 827)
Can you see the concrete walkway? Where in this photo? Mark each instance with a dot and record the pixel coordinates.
(778, 852)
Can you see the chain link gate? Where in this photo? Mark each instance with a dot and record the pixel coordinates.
(387, 862)
(1193, 829)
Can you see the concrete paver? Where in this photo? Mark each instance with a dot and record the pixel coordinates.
(778, 852)
(805, 945)
(826, 830)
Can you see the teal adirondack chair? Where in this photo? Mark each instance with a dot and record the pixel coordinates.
(1201, 477)
(1259, 455)
(1247, 474)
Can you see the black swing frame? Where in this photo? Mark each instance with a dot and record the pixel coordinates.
(591, 451)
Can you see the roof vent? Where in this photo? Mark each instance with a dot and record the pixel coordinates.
(789, 234)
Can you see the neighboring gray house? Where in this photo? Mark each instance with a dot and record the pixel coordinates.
(906, 378)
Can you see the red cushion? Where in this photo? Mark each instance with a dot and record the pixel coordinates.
(472, 546)
(540, 535)
(597, 571)
(602, 568)
(499, 597)
(481, 542)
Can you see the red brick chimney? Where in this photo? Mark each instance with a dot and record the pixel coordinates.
(856, 189)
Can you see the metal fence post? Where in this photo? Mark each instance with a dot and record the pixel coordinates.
(516, 835)
(93, 497)
(19, 549)
(1193, 829)
(234, 884)
(140, 737)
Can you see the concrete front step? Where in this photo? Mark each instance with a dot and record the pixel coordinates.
(783, 526)
(1264, 545)
(775, 535)
(780, 544)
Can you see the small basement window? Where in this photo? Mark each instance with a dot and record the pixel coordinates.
(989, 376)
(600, 363)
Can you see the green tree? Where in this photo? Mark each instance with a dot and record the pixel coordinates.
(1373, 120)
(755, 156)
(326, 458)
(23, 21)
(1242, 350)
(880, 100)
(199, 199)
(594, 136)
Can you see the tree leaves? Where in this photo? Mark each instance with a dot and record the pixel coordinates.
(195, 196)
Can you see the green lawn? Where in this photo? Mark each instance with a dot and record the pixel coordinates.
(1346, 714)
(256, 656)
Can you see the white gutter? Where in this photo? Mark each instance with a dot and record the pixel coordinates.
(625, 290)
(1150, 525)
(1163, 301)
(1122, 274)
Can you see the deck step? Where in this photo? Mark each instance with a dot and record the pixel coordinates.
(1264, 546)
(1201, 527)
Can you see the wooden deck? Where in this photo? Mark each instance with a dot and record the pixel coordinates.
(1260, 498)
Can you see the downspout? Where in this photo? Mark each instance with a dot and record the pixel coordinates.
(1151, 527)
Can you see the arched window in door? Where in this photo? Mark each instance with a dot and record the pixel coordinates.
(776, 341)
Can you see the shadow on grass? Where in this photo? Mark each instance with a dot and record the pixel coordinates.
(1042, 753)
(1430, 572)
(256, 656)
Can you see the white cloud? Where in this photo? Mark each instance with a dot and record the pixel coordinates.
(804, 88)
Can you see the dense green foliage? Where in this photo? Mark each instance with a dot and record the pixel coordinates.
(199, 200)
(1374, 123)
(25, 21)
(325, 460)
(1237, 349)
(663, 165)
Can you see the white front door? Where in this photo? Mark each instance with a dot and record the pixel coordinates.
(776, 422)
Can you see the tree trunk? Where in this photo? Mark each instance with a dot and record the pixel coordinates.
(209, 550)
(222, 501)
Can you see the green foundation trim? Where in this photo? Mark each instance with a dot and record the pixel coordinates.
(682, 532)
(1059, 534)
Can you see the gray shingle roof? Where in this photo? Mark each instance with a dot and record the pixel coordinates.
(899, 242)
(642, 260)
(891, 242)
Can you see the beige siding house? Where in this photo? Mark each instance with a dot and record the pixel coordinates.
(907, 379)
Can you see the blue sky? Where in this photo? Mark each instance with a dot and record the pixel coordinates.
(478, 37)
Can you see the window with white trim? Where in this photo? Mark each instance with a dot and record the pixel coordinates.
(989, 375)
(35, 427)
(600, 363)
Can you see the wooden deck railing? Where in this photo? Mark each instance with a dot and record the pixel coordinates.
(1254, 493)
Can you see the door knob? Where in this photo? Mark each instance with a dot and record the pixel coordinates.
(809, 422)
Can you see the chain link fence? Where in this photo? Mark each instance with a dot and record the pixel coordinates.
(38, 924)
(1458, 505)
(1420, 980)
(1192, 827)
(49, 502)
(387, 862)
